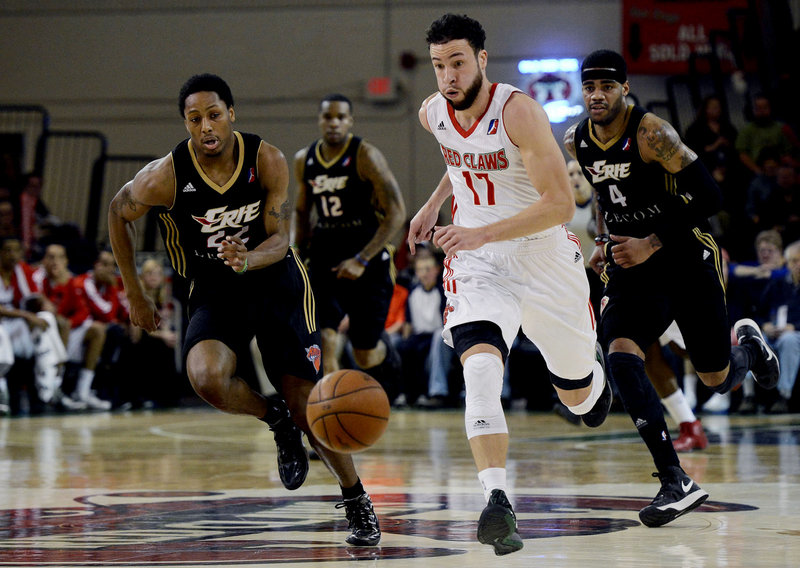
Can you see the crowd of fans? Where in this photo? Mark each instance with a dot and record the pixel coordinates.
(66, 343)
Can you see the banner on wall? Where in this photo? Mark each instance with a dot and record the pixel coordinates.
(659, 35)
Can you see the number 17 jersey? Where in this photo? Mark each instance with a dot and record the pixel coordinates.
(489, 179)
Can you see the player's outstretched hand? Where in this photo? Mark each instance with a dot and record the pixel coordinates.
(233, 251)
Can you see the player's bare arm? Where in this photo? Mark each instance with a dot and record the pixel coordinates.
(423, 113)
(421, 227)
(660, 142)
(154, 185)
(569, 140)
(273, 173)
(300, 229)
(372, 166)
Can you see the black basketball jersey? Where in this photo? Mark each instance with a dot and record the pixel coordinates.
(345, 210)
(635, 197)
(204, 213)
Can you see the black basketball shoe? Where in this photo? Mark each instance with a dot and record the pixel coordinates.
(678, 495)
(597, 415)
(498, 525)
(361, 520)
(292, 455)
(766, 369)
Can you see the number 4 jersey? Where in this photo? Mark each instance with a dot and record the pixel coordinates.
(485, 167)
(204, 213)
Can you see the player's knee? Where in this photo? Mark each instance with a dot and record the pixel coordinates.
(208, 379)
(483, 380)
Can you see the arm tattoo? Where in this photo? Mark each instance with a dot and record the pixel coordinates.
(569, 140)
(126, 202)
(284, 214)
(654, 241)
(663, 140)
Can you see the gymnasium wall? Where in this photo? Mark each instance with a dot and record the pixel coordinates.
(117, 67)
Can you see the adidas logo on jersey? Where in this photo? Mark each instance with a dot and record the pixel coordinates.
(188, 187)
(584, 144)
(441, 126)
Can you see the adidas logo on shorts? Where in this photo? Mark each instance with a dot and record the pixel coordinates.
(480, 423)
(577, 257)
(640, 423)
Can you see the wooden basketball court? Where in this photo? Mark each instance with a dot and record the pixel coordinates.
(195, 487)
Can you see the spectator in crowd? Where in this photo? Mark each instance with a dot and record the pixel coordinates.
(762, 185)
(30, 337)
(583, 222)
(426, 359)
(105, 298)
(8, 225)
(32, 210)
(712, 136)
(781, 209)
(780, 314)
(85, 337)
(397, 313)
(153, 361)
(763, 131)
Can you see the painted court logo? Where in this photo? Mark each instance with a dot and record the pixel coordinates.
(142, 528)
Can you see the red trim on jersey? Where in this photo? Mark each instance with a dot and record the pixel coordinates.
(457, 126)
(503, 111)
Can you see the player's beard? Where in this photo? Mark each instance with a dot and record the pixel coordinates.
(613, 112)
(469, 95)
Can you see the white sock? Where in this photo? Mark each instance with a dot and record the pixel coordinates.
(492, 478)
(85, 379)
(678, 408)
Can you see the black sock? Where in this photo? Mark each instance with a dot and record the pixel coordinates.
(742, 357)
(352, 492)
(276, 411)
(642, 403)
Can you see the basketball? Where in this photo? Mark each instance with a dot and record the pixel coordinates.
(347, 411)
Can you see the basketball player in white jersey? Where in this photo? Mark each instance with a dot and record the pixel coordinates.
(510, 260)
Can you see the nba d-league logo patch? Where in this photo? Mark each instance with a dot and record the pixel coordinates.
(492, 126)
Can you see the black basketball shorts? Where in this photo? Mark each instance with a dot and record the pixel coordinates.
(275, 304)
(640, 302)
(366, 300)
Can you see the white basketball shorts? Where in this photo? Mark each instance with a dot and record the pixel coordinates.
(537, 283)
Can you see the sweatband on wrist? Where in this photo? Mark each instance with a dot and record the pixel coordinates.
(244, 267)
(361, 260)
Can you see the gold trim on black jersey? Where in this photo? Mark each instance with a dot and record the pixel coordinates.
(220, 188)
(328, 163)
(173, 244)
(309, 304)
(707, 240)
(616, 138)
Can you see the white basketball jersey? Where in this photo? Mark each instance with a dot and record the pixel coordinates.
(485, 167)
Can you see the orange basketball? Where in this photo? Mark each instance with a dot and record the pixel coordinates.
(347, 411)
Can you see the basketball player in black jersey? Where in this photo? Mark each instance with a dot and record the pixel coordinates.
(348, 184)
(659, 263)
(224, 210)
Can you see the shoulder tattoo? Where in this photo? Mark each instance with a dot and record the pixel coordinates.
(663, 140)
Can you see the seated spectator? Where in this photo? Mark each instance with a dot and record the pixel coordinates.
(107, 307)
(8, 226)
(152, 362)
(781, 209)
(747, 280)
(712, 136)
(779, 318)
(426, 358)
(763, 131)
(762, 185)
(35, 344)
(32, 210)
(85, 337)
(583, 221)
(397, 313)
